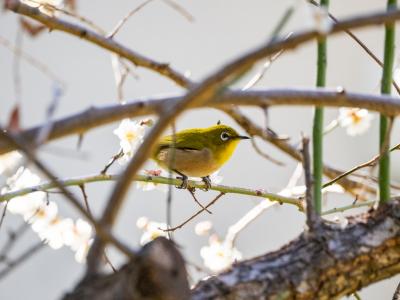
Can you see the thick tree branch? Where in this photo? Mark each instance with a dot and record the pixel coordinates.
(94, 117)
(157, 272)
(366, 251)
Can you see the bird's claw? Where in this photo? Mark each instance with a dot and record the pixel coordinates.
(184, 183)
(207, 182)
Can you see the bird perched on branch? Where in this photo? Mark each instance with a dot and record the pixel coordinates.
(197, 152)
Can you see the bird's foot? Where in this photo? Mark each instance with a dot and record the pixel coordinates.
(207, 182)
(184, 183)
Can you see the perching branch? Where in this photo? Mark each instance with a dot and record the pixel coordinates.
(46, 186)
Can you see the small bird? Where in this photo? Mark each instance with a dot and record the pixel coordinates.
(197, 152)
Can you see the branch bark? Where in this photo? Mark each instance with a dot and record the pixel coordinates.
(158, 272)
(94, 117)
(312, 267)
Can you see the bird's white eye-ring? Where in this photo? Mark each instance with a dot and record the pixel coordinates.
(225, 136)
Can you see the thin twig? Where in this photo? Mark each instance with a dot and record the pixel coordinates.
(21, 259)
(369, 163)
(196, 214)
(85, 197)
(3, 215)
(360, 43)
(267, 64)
(191, 192)
(348, 207)
(55, 23)
(13, 236)
(265, 155)
(112, 161)
(126, 18)
(396, 295)
(43, 68)
(179, 9)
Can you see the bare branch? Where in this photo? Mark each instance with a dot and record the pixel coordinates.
(195, 215)
(86, 34)
(98, 116)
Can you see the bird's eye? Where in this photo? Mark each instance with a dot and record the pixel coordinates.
(225, 136)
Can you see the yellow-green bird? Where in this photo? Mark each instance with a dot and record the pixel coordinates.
(197, 152)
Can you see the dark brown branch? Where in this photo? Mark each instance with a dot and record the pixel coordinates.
(158, 272)
(366, 251)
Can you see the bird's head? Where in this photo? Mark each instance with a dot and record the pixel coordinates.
(223, 140)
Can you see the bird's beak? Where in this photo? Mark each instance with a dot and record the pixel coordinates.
(242, 137)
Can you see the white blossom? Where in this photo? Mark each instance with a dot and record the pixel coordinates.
(356, 121)
(80, 233)
(43, 217)
(203, 228)
(81, 252)
(152, 230)
(9, 161)
(28, 204)
(54, 232)
(79, 238)
(219, 255)
(130, 134)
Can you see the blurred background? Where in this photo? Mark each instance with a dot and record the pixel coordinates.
(221, 31)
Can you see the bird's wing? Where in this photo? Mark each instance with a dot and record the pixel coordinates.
(182, 141)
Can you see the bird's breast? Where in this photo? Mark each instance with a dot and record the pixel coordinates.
(191, 162)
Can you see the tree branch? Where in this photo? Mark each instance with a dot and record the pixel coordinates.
(100, 40)
(94, 117)
(366, 251)
(79, 181)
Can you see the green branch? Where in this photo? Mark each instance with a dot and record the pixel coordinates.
(384, 134)
(79, 181)
(44, 187)
(318, 125)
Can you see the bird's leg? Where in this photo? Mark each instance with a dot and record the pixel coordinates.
(207, 182)
(184, 179)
